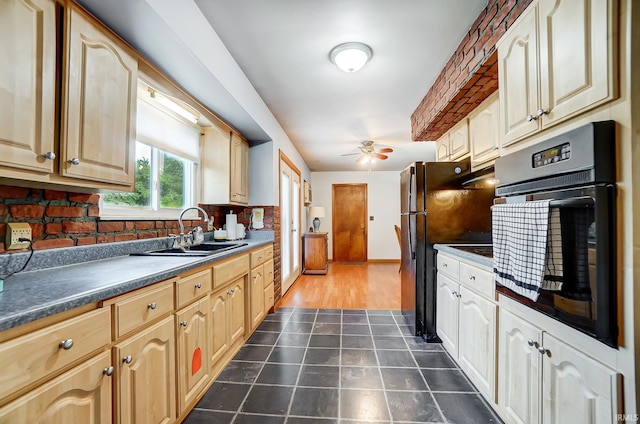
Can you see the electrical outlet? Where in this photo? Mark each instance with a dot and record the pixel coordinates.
(15, 231)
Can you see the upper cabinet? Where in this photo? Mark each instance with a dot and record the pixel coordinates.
(27, 85)
(484, 134)
(454, 144)
(95, 74)
(225, 167)
(99, 107)
(555, 62)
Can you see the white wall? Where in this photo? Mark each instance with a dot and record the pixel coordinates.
(383, 196)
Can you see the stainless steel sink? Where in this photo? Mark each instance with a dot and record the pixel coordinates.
(204, 249)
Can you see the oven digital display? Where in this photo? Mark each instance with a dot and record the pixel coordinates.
(552, 155)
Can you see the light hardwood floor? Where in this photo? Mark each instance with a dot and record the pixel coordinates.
(361, 286)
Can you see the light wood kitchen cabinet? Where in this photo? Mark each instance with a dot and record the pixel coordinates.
(454, 144)
(225, 167)
(146, 360)
(27, 98)
(81, 395)
(484, 133)
(99, 103)
(555, 62)
(545, 380)
(315, 253)
(256, 293)
(466, 319)
(227, 318)
(192, 345)
(269, 289)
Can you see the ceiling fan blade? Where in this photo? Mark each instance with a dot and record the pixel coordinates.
(361, 158)
(385, 150)
(381, 157)
(351, 154)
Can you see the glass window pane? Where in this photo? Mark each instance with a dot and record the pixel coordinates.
(141, 197)
(172, 172)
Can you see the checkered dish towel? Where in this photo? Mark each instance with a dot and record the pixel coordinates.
(520, 247)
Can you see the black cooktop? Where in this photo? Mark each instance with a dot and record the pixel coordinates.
(486, 251)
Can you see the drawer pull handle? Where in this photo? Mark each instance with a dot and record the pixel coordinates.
(108, 371)
(184, 323)
(198, 286)
(543, 350)
(444, 265)
(127, 359)
(472, 277)
(152, 305)
(530, 342)
(66, 344)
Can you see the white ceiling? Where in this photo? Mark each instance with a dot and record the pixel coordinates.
(282, 46)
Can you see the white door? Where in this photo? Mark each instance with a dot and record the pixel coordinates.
(289, 223)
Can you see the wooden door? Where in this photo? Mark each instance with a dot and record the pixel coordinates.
(27, 97)
(576, 53)
(146, 360)
(518, 78)
(99, 112)
(519, 370)
(349, 222)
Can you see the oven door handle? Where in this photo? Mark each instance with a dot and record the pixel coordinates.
(574, 202)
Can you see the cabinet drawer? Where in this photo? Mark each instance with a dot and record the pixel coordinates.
(136, 309)
(259, 256)
(34, 356)
(227, 271)
(448, 266)
(268, 252)
(268, 272)
(192, 287)
(477, 279)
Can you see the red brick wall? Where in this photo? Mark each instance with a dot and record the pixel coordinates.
(470, 75)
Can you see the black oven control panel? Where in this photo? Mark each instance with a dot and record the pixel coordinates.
(552, 155)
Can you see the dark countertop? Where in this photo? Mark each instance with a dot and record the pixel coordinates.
(472, 257)
(29, 296)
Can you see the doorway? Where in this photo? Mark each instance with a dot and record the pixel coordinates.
(349, 222)
(290, 238)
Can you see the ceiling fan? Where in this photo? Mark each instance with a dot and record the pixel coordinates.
(369, 154)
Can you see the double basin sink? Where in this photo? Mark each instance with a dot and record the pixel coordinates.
(204, 249)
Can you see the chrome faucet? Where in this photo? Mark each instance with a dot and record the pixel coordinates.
(184, 239)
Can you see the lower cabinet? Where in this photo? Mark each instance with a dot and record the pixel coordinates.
(192, 345)
(146, 360)
(227, 318)
(447, 313)
(81, 395)
(256, 293)
(545, 380)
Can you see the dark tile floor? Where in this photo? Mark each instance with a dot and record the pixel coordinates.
(312, 366)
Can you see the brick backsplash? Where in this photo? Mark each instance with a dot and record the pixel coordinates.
(470, 75)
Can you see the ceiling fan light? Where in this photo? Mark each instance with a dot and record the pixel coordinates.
(350, 57)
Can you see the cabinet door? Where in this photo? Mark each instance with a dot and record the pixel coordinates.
(239, 170)
(447, 313)
(256, 293)
(519, 370)
(484, 133)
(27, 96)
(99, 112)
(219, 316)
(576, 388)
(442, 148)
(237, 315)
(146, 360)
(477, 340)
(459, 140)
(82, 395)
(193, 351)
(518, 78)
(269, 296)
(576, 56)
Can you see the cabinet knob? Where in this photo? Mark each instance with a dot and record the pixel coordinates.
(152, 305)
(229, 292)
(472, 277)
(255, 277)
(541, 112)
(49, 155)
(530, 342)
(127, 359)
(543, 350)
(444, 265)
(66, 344)
(108, 371)
(455, 293)
(531, 118)
(74, 161)
(184, 323)
(198, 286)
(235, 195)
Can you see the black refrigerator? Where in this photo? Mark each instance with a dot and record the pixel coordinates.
(438, 205)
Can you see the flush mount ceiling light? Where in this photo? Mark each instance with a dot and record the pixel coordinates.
(350, 57)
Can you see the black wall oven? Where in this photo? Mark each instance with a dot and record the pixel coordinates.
(576, 171)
